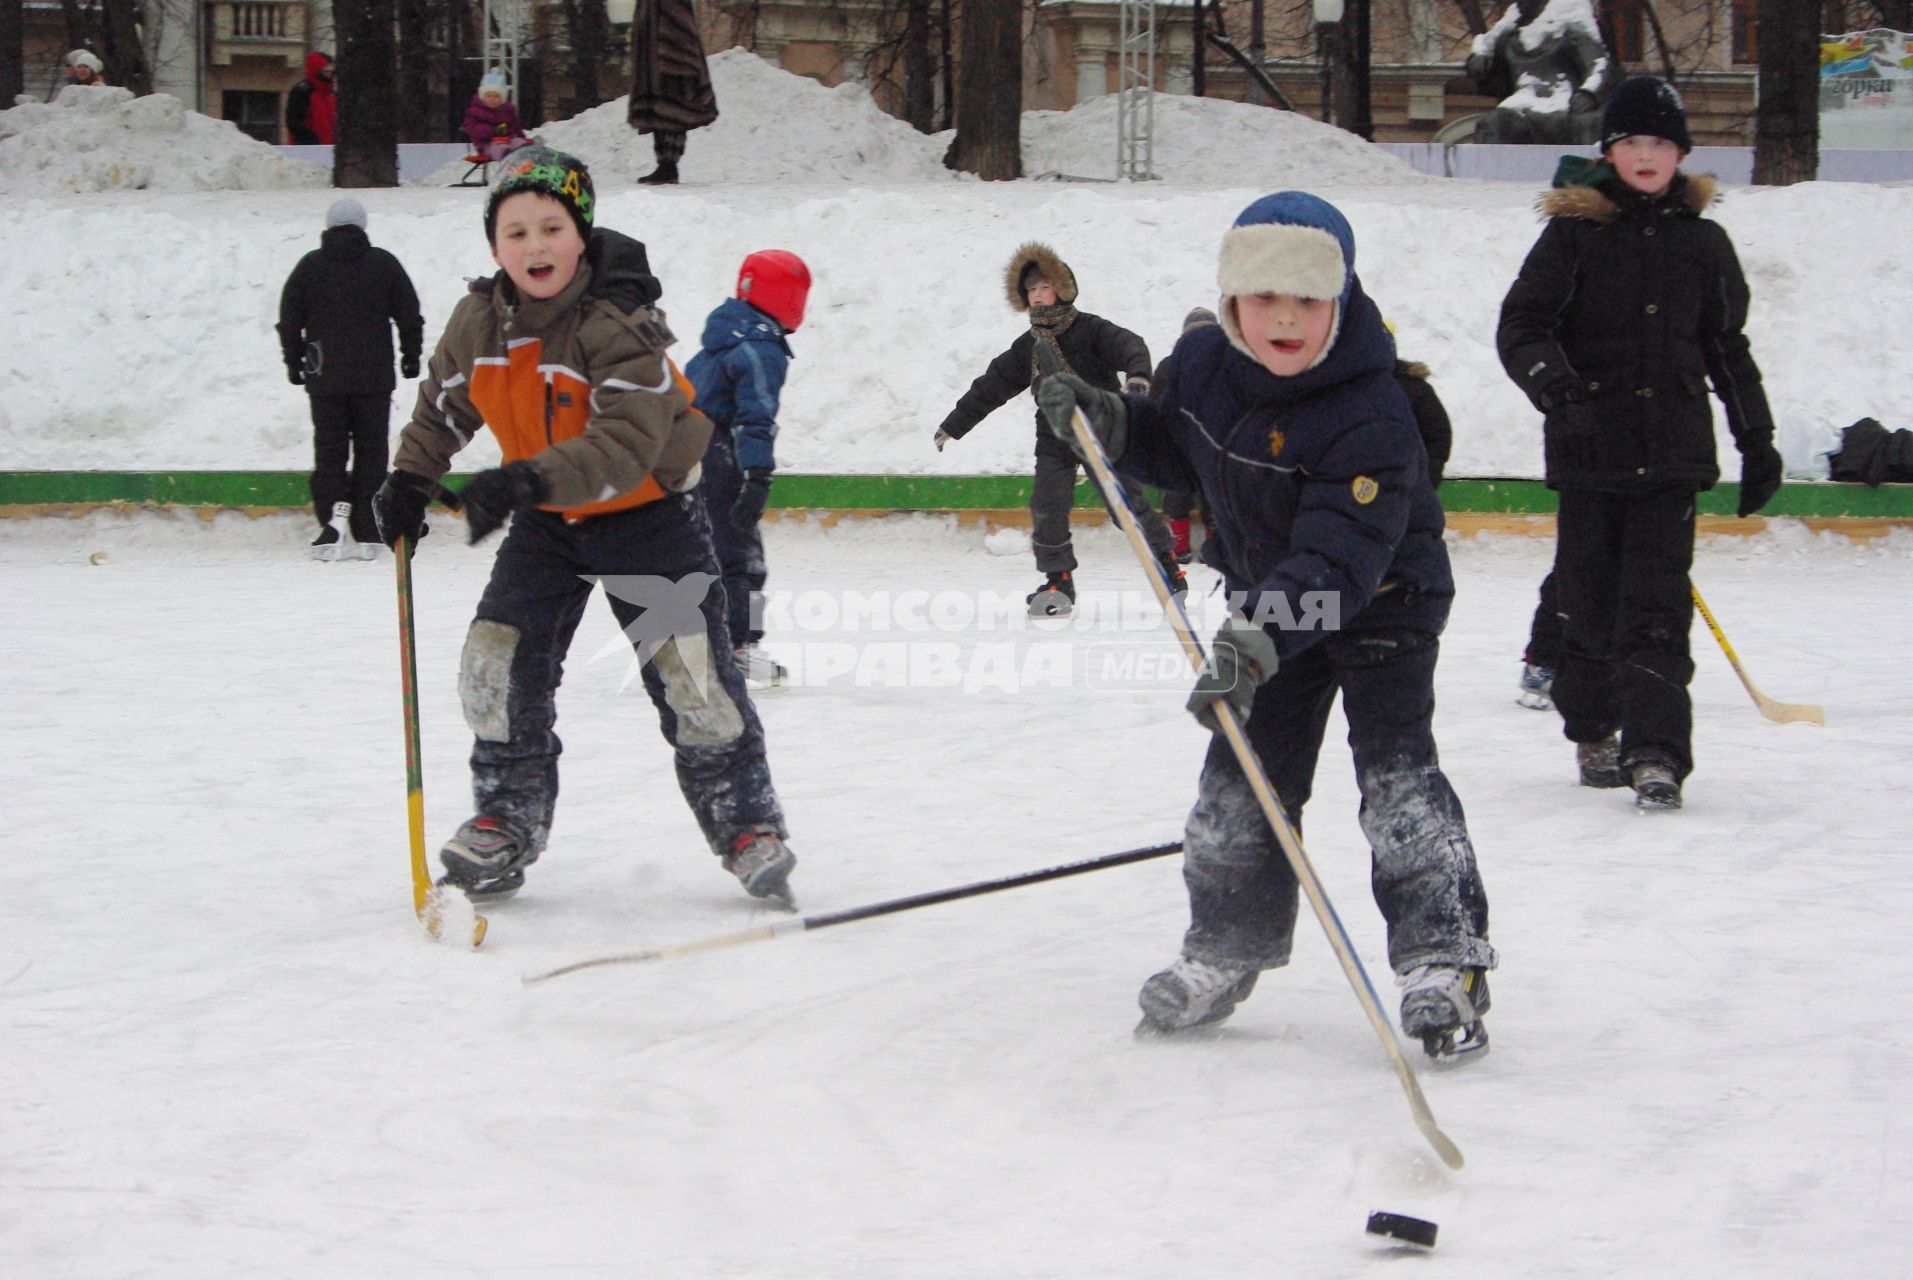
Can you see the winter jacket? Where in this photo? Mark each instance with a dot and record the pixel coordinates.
(484, 122)
(670, 76)
(578, 384)
(1431, 416)
(1099, 352)
(1317, 482)
(336, 314)
(739, 375)
(311, 105)
(1625, 308)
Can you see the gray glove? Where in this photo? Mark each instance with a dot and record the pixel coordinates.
(943, 438)
(1060, 394)
(1242, 657)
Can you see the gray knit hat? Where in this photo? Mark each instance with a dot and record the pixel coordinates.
(345, 211)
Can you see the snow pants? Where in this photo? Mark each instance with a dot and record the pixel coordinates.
(1620, 571)
(358, 428)
(1054, 493)
(658, 572)
(1242, 894)
(1544, 633)
(740, 552)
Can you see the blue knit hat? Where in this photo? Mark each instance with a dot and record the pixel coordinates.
(494, 81)
(1290, 242)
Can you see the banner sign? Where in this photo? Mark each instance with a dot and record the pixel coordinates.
(1866, 89)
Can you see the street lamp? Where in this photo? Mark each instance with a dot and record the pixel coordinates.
(1327, 14)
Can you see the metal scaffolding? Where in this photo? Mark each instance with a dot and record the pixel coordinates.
(1136, 92)
(507, 25)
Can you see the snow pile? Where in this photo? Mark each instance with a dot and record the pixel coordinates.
(1208, 142)
(772, 126)
(99, 138)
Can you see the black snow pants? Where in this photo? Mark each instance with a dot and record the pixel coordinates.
(1242, 894)
(740, 552)
(1054, 493)
(660, 578)
(1620, 570)
(1544, 633)
(358, 427)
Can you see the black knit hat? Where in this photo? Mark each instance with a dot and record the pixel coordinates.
(1644, 105)
(543, 169)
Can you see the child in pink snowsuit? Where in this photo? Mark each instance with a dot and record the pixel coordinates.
(491, 121)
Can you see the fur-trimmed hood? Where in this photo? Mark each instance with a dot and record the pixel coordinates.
(1053, 269)
(1694, 192)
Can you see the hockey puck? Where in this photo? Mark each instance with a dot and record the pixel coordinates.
(98, 557)
(1399, 1226)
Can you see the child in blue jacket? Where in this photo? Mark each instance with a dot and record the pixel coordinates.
(1287, 419)
(739, 376)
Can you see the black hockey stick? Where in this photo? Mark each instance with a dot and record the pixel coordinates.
(807, 924)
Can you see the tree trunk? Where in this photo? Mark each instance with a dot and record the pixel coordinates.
(366, 151)
(989, 107)
(590, 36)
(120, 47)
(1660, 40)
(919, 68)
(1352, 104)
(13, 61)
(1787, 123)
(418, 107)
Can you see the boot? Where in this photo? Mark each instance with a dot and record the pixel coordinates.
(326, 545)
(1056, 598)
(1537, 687)
(1600, 762)
(1191, 993)
(1656, 789)
(486, 859)
(762, 863)
(1442, 1007)
(665, 175)
(759, 669)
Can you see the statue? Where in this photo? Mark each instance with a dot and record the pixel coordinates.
(1545, 60)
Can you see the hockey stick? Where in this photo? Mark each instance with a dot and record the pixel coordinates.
(1778, 712)
(426, 903)
(1091, 447)
(810, 924)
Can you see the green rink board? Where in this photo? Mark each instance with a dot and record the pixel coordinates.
(869, 493)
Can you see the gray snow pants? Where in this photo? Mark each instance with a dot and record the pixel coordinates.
(1054, 493)
(662, 584)
(1242, 894)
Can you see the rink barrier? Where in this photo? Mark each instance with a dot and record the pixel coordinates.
(1002, 498)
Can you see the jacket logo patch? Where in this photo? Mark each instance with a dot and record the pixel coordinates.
(1364, 489)
(1276, 441)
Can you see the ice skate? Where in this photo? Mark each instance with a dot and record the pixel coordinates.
(1537, 689)
(1191, 993)
(1656, 789)
(326, 545)
(759, 669)
(486, 860)
(1442, 1007)
(1600, 762)
(762, 863)
(1056, 598)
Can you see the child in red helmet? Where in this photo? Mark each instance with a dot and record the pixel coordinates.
(739, 376)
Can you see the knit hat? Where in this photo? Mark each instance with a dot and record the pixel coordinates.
(541, 168)
(86, 58)
(1290, 242)
(1198, 318)
(1645, 106)
(494, 82)
(345, 212)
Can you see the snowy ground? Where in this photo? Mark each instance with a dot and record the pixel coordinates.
(229, 1051)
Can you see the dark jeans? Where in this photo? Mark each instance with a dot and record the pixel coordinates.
(1620, 569)
(1242, 894)
(355, 426)
(1054, 493)
(740, 552)
(657, 569)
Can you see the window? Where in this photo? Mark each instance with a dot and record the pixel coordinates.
(1629, 29)
(256, 114)
(1746, 32)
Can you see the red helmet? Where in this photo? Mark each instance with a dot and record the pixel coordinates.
(776, 282)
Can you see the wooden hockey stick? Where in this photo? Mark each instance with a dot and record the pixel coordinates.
(1778, 712)
(426, 903)
(1091, 447)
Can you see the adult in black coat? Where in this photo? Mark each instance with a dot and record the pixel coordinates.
(336, 315)
(1040, 283)
(1627, 306)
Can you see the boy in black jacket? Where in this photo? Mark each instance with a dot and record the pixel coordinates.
(336, 314)
(1102, 354)
(1626, 307)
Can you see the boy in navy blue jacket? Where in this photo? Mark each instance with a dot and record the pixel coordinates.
(1288, 420)
(739, 376)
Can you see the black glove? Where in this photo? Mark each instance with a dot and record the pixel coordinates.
(751, 497)
(1760, 471)
(494, 494)
(408, 367)
(1060, 394)
(295, 375)
(1241, 658)
(399, 507)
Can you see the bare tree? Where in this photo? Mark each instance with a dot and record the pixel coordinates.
(13, 63)
(1346, 46)
(1472, 15)
(120, 47)
(919, 68)
(590, 30)
(414, 107)
(1787, 122)
(365, 152)
(989, 106)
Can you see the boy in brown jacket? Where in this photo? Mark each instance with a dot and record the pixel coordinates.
(561, 355)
